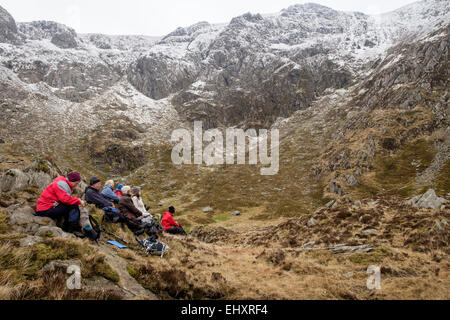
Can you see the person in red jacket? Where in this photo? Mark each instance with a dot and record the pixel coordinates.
(170, 225)
(56, 201)
(118, 190)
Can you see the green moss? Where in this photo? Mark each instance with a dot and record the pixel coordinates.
(396, 173)
(375, 256)
(43, 167)
(222, 217)
(47, 234)
(3, 223)
(131, 271)
(103, 269)
(443, 179)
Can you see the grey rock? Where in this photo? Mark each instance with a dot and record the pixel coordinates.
(350, 180)
(169, 185)
(55, 231)
(444, 222)
(236, 213)
(438, 225)
(329, 204)
(337, 189)
(357, 203)
(8, 27)
(14, 180)
(349, 274)
(22, 220)
(158, 77)
(54, 265)
(311, 222)
(309, 244)
(30, 241)
(427, 200)
(207, 209)
(351, 249)
(64, 40)
(370, 231)
(333, 204)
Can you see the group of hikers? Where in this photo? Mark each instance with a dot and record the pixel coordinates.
(123, 204)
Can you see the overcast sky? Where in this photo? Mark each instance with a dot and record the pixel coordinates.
(157, 18)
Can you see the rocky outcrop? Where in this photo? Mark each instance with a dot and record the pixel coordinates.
(427, 200)
(64, 37)
(14, 180)
(64, 40)
(22, 220)
(158, 76)
(39, 174)
(8, 27)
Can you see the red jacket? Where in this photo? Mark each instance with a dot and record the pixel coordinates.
(118, 193)
(167, 221)
(58, 192)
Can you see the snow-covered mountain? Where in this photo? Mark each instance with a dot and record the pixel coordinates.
(248, 72)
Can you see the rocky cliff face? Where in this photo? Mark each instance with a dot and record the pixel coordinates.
(8, 27)
(257, 68)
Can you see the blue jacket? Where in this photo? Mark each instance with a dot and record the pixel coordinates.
(108, 192)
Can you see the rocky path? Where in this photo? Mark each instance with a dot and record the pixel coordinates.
(127, 282)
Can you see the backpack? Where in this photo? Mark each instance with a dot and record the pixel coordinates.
(153, 246)
(95, 226)
(113, 215)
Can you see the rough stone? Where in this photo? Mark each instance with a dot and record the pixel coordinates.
(357, 204)
(337, 189)
(311, 222)
(55, 231)
(427, 200)
(350, 180)
(14, 180)
(30, 241)
(207, 209)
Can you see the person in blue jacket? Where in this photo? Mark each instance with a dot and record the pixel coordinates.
(108, 192)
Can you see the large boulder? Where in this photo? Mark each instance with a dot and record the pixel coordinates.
(14, 180)
(427, 200)
(22, 220)
(8, 27)
(65, 40)
(337, 188)
(54, 231)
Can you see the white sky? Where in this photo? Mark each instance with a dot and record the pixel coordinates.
(157, 18)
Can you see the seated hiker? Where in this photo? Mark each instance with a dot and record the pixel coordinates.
(108, 192)
(136, 221)
(137, 201)
(118, 190)
(93, 196)
(170, 225)
(129, 210)
(56, 202)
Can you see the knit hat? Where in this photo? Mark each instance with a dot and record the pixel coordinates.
(93, 180)
(171, 209)
(125, 189)
(119, 187)
(74, 177)
(135, 191)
